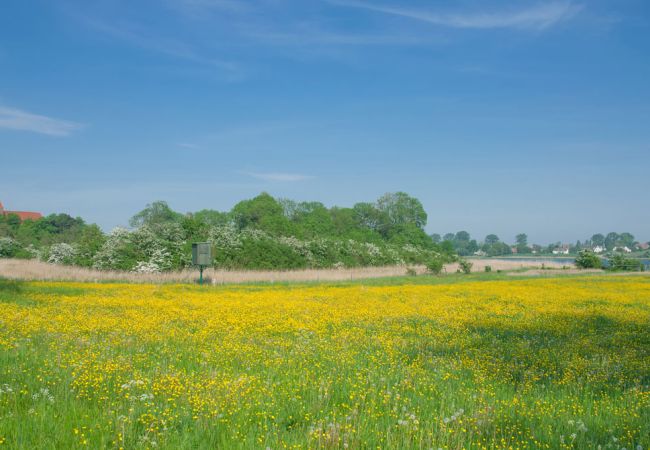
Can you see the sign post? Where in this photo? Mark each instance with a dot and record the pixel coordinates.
(202, 257)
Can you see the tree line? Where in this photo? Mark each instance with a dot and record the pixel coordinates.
(463, 244)
(258, 233)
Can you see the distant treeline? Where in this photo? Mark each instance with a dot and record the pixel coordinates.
(260, 233)
(464, 245)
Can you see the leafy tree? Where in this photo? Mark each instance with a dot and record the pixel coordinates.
(620, 262)
(611, 240)
(262, 212)
(598, 240)
(462, 236)
(211, 217)
(435, 265)
(587, 259)
(465, 266)
(449, 237)
(436, 238)
(491, 239)
(522, 240)
(370, 216)
(155, 213)
(344, 221)
(90, 242)
(522, 243)
(626, 240)
(401, 208)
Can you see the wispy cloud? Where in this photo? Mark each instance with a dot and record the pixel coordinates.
(171, 47)
(16, 119)
(278, 176)
(536, 17)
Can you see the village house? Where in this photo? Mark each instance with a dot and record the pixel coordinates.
(562, 250)
(22, 215)
(598, 249)
(623, 249)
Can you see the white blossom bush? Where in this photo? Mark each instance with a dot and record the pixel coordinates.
(33, 252)
(146, 267)
(116, 251)
(61, 254)
(8, 247)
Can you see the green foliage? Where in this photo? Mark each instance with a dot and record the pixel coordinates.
(259, 233)
(488, 268)
(465, 266)
(435, 264)
(619, 262)
(155, 213)
(587, 259)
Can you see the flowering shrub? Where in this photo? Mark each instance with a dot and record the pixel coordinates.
(61, 254)
(8, 247)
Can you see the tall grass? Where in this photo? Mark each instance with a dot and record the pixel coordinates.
(36, 270)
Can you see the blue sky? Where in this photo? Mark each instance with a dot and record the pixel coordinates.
(502, 117)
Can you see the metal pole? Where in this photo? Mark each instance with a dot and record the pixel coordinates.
(201, 275)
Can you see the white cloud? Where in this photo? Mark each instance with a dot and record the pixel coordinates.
(279, 177)
(537, 17)
(16, 119)
(159, 44)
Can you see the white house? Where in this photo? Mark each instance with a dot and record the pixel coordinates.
(622, 249)
(598, 249)
(564, 250)
(480, 253)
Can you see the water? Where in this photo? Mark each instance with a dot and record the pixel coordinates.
(562, 260)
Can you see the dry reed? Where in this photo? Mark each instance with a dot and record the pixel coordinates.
(37, 270)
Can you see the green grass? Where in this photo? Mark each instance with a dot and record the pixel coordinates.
(457, 361)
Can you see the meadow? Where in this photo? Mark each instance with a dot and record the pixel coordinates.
(483, 364)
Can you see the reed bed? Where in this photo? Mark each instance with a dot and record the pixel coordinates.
(19, 269)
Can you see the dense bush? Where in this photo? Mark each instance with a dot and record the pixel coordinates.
(8, 247)
(435, 264)
(260, 233)
(465, 266)
(587, 259)
(619, 262)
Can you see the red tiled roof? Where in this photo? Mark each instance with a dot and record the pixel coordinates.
(25, 215)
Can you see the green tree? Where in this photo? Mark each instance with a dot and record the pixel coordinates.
(369, 216)
(611, 240)
(401, 208)
(626, 240)
(491, 239)
(587, 259)
(522, 243)
(598, 240)
(522, 240)
(155, 213)
(462, 236)
(262, 212)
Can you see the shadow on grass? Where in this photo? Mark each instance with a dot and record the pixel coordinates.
(13, 291)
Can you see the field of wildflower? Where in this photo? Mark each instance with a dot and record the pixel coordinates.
(534, 363)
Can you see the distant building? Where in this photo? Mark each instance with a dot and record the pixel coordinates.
(598, 249)
(644, 246)
(562, 250)
(514, 250)
(480, 253)
(23, 215)
(623, 249)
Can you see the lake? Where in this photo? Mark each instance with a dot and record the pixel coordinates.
(561, 260)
